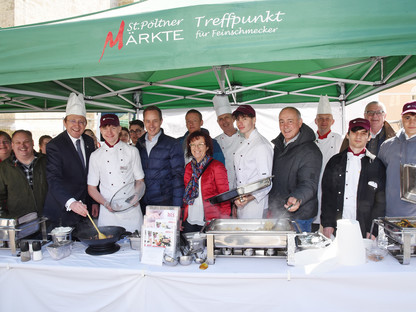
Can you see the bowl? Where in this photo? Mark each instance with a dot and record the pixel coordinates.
(60, 234)
(60, 250)
(170, 261)
(135, 242)
(186, 260)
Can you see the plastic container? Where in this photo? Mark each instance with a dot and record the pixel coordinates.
(61, 234)
(59, 251)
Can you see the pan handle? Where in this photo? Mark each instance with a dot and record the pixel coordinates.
(206, 225)
(296, 226)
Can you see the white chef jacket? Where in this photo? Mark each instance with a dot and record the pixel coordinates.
(112, 168)
(253, 161)
(328, 147)
(229, 145)
(352, 177)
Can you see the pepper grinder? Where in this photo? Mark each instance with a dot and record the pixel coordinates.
(24, 251)
(37, 251)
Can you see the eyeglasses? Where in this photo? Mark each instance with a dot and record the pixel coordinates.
(5, 142)
(77, 122)
(372, 113)
(136, 131)
(199, 145)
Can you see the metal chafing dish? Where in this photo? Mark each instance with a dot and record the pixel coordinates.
(398, 237)
(14, 230)
(408, 183)
(250, 238)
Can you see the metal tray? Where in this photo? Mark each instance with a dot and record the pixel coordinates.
(250, 233)
(408, 183)
(396, 232)
(242, 190)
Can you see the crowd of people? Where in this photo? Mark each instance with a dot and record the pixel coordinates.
(317, 178)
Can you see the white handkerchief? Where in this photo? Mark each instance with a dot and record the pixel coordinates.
(373, 184)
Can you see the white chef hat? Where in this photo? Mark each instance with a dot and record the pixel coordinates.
(221, 104)
(75, 105)
(324, 107)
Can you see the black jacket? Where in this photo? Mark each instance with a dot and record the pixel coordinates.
(66, 178)
(296, 170)
(371, 202)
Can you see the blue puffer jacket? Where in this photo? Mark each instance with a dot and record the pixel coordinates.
(163, 169)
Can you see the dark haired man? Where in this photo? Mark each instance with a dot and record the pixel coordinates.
(136, 130)
(162, 161)
(353, 184)
(253, 162)
(68, 157)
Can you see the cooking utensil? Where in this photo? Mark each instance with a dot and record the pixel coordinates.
(101, 246)
(128, 196)
(241, 191)
(408, 182)
(100, 235)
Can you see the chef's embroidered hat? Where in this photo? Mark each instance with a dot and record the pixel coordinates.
(109, 120)
(221, 104)
(324, 107)
(244, 110)
(409, 108)
(75, 105)
(359, 122)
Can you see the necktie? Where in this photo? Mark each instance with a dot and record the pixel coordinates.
(78, 143)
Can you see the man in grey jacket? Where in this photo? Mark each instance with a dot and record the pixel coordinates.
(394, 153)
(297, 164)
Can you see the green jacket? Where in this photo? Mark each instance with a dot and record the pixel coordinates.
(16, 196)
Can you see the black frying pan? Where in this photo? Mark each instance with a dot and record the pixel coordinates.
(240, 191)
(97, 246)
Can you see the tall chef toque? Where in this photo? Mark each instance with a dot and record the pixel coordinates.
(75, 105)
(221, 104)
(324, 107)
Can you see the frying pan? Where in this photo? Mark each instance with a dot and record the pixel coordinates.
(97, 246)
(240, 191)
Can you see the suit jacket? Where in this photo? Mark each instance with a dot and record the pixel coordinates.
(371, 202)
(66, 178)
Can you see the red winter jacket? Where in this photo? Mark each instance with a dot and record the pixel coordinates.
(214, 181)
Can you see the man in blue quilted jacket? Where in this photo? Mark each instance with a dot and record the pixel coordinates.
(162, 161)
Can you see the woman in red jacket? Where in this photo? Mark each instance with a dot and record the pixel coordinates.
(204, 177)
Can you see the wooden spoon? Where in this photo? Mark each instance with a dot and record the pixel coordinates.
(100, 235)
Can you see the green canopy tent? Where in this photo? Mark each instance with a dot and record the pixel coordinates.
(178, 54)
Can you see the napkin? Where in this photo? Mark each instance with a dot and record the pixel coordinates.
(351, 250)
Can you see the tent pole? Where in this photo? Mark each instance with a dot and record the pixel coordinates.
(342, 100)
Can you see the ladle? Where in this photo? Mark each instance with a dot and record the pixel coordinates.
(100, 235)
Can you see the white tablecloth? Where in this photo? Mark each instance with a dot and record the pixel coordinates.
(119, 282)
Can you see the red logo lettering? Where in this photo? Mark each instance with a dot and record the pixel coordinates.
(119, 39)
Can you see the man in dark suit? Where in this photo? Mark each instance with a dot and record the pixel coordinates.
(68, 156)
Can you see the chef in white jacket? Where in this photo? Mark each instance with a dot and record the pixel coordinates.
(329, 144)
(252, 161)
(114, 165)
